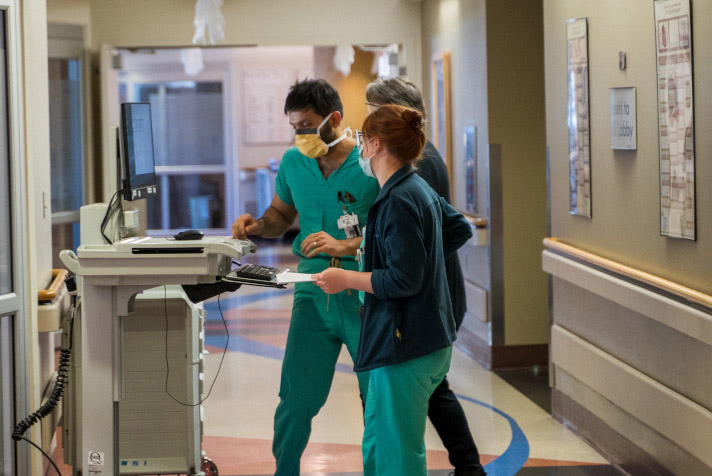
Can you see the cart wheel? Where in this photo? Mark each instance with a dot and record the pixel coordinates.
(209, 467)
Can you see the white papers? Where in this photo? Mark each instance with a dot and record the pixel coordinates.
(289, 277)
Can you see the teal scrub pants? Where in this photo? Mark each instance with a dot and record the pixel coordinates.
(313, 346)
(396, 410)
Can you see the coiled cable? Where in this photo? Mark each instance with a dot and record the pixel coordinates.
(52, 401)
(60, 384)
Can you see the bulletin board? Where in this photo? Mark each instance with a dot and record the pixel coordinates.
(442, 105)
(578, 117)
(676, 138)
(264, 93)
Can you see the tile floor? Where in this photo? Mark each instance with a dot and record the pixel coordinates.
(514, 434)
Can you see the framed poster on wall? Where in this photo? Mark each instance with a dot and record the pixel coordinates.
(264, 92)
(471, 169)
(442, 108)
(578, 117)
(676, 132)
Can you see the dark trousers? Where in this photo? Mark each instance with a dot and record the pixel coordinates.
(448, 418)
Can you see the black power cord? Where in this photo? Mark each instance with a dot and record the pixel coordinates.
(54, 398)
(168, 369)
(17, 438)
(110, 210)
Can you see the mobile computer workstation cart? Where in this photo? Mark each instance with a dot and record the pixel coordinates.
(121, 389)
(110, 277)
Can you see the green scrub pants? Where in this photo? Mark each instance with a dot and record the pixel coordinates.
(396, 410)
(313, 346)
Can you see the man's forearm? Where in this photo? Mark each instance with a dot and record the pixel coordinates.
(275, 224)
(350, 246)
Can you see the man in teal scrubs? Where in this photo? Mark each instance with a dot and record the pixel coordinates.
(321, 181)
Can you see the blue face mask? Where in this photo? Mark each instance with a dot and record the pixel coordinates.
(365, 163)
(366, 166)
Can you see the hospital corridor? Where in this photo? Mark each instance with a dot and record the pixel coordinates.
(374, 238)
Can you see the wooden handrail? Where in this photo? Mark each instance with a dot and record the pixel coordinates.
(50, 294)
(477, 222)
(646, 278)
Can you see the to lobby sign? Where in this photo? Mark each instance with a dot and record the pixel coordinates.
(623, 119)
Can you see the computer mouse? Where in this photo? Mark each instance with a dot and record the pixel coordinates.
(189, 235)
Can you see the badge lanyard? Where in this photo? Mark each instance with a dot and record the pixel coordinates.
(348, 221)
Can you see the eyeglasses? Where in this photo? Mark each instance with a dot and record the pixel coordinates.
(361, 138)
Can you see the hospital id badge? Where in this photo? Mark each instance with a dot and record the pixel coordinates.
(349, 223)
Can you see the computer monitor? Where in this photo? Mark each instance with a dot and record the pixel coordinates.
(138, 169)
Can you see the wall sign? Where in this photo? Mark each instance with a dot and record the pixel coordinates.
(623, 119)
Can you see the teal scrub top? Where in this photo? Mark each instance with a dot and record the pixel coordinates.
(320, 201)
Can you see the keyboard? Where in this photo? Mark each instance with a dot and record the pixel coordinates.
(256, 271)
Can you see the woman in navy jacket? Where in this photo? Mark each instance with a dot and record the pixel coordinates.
(408, 326)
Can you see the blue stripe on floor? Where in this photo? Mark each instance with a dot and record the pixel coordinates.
(507, 464)
(516, 454)
(248, 346)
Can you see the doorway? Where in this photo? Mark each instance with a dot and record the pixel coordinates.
(219, 134)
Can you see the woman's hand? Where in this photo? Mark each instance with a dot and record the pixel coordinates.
(331, 280)
(321, 242)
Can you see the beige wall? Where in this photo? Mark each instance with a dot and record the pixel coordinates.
(497, 83)
(515, 65)
(625, 223)
(75, 12)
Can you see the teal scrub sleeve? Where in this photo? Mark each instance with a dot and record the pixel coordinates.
(281, 185)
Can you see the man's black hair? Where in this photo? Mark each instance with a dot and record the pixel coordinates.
(315, 94)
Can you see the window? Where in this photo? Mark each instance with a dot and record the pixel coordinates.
(189, 146)
(66, 130)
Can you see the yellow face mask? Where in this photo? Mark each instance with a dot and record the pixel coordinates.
(309, 142)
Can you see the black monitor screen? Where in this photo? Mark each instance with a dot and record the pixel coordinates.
(137, 144)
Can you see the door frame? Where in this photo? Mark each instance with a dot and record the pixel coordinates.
(18, 302)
